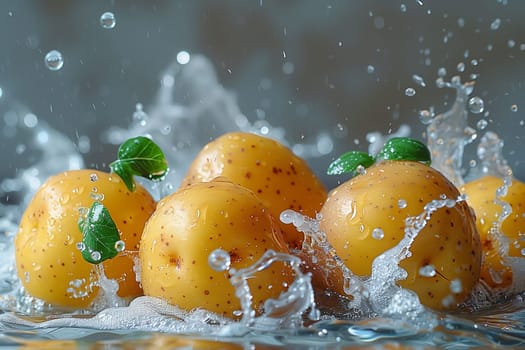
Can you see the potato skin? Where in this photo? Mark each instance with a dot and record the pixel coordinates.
(449, 240)
(481, 194)
(47, 257)
(276, 175)
(190, 224)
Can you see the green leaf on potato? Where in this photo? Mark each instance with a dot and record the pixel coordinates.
(349, 162)
(142, 157)
(405, 148)
(99, 234)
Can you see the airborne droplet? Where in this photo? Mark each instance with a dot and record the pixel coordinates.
(476, 105)
(108, 20)
(54, 60)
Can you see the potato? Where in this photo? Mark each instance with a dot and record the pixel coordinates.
(190, 224)
(47, 257)
(277, 176)
(481, 195)
(365, 216)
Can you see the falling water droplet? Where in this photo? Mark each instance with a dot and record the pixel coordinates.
(219, 260)
(476, 105)
(419, 80)
(95, 255)
(482, 124)
(495, 24)
(514, 108)
(108, 20)
(140, 118)
(410, 92)
(370, 69)
(402, 204)
(403, 8)
(54, 60)
(183, 57)
(460, 67)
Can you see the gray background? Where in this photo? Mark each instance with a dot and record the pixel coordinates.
(330, 44)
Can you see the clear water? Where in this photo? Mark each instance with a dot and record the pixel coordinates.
(380, 313)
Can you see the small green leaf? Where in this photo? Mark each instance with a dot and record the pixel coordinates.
(142, 157)
(348, 163)
(99, 234)
(405, 148)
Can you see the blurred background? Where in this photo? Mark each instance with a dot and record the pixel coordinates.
(337, 68)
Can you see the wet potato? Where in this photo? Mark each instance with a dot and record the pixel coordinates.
(449, 242)
(481, 194)
(278, 177)
(47, 258)
(188, 226)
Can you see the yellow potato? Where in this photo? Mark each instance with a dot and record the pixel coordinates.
(481, 195)
(47, 257)
(190, 224)
(383, 198)
(278, 177)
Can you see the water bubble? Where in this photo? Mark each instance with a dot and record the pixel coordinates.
(120, 246)
(410, 92)
(495, 24)
(460, 67)
(95, 255)
(427, 271)
(80, 246)
(219, 260)
(476, 105)
(377, 233)
(418, 80)
(514, 108)
(370, 69)
(108, 20)
(183, 57)
(54, 60)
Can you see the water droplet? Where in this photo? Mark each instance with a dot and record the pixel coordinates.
(108, 20)
(95, 255)
(523, 252)
(511, 43)
(514, 108)
(288, 68)
(482, 124)
(219, 260)
(30, 120)
(370, 69)
(378, 234)
(427, 271)
(410, 92)
(93, 177)
(425, 116)
(54, 60)
(495, 24)
(418, 80)
(456, 286)
(460, 67)
(402, 204)
(403, 8)
(120, 246)
(379, 22)
(474, 62)
(80, 246)
(476, 105)
(183, 57)
(140, 118)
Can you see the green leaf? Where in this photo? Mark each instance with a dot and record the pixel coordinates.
(99, 234)
(405, 148)
(142, 157)
(348, 163)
